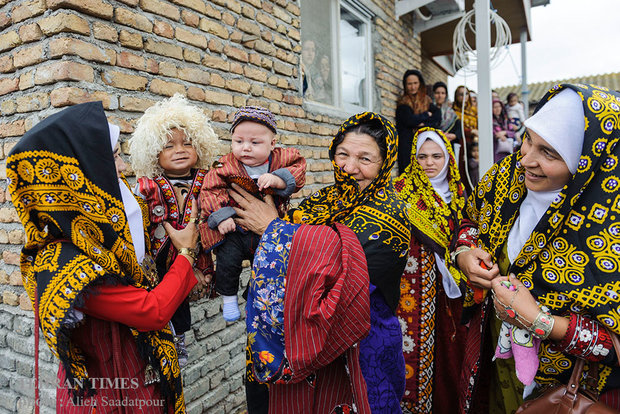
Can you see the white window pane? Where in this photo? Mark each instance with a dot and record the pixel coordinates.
(353, 61)
(317, 45)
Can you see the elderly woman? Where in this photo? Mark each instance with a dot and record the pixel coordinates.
(85, 270)
(430, 302)
(320, 315)
(414, 110)
(546, 216)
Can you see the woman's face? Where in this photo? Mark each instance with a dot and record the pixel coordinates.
(431, 158)
(440, 95)
(459, 96)
(545, 170)
(118, 161)
(497, 108)
(359, 156)
(412, 84)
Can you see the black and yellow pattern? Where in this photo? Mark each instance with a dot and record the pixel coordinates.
(63, 184)
(571, 262)
(430, 216)
(376, 214)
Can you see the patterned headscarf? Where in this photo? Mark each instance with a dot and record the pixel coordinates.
(63, 184)
(375, 214)
(428, 213)
(571, 262)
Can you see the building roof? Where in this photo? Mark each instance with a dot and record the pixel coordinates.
(538, 89)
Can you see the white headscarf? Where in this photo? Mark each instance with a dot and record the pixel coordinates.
(132, 209)
(560, 122)
(440, 181)
(442, 188)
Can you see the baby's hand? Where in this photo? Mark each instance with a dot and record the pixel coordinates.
(270, 181)
(227, 226)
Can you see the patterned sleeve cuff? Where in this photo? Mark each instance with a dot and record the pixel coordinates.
(586, 338)
(467, 234)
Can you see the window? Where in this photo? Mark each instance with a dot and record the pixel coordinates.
(336, 54)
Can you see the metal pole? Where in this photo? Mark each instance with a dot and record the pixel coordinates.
(525, 93)
(483, 64)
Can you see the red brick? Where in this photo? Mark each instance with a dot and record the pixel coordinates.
(209, 26)
(13, 129)
(126, 128)
(64, 22)
(236, 53)
(161, 87)
(8, 85)
(152, 66)
(124, 80)
(72, 96)
(130, 61)
(195, 93)
(33, 102)
(218, 98)
(93, 7)
(164, 49)
(24, 302)
(26, 80)
(69, 46)
(191, 56)
(64, 70)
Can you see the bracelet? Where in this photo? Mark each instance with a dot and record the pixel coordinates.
(543, 325)
(462, 248)
(188, 252)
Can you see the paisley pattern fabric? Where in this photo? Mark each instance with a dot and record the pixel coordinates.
(571, 262)
(375, 214)
(63, 184)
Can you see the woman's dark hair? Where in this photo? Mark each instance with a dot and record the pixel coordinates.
(440, 84)
(418, 74)
(372, 127)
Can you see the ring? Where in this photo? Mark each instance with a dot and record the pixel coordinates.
(193, 220)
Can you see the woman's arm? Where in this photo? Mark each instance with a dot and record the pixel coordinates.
(139, 308)
(405, 118)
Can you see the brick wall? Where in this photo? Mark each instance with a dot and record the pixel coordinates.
(432, 73)
(221, 54)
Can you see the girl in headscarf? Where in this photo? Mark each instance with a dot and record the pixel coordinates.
(342, 339)
(86, 272)
(503, 134)
(414, 110)
(546, 216)
(467, 112)
(430, 307)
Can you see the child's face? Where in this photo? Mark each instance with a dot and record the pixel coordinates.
(474, 153)
(513, 100)
(252, 143)
(178, 156)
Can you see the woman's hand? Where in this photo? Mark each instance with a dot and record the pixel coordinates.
(451, 136)
(469, 263)
(254, 214)
(501, 135)
(188, 237)
(514, 305)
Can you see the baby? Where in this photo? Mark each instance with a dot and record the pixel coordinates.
(170, 148)
(260, 168)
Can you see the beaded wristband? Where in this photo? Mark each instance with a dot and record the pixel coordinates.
(543, 325)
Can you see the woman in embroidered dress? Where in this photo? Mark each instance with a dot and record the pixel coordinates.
(546, 216)
(85, 270)
(414, 110)
(336, 289)
(430, 304)
(468, 114)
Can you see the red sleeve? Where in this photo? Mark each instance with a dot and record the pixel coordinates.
(296, 164)
(139, 308)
